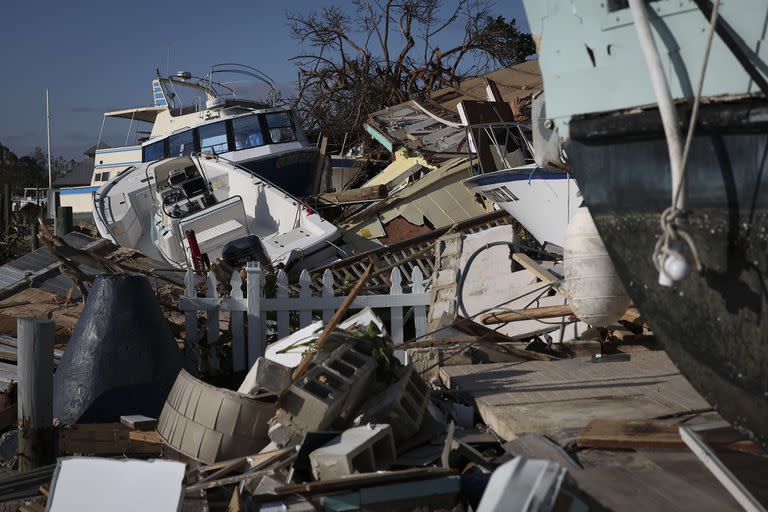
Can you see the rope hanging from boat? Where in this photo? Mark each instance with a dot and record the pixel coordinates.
(669, 226)
(667, 255)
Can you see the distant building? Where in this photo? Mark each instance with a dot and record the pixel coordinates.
(75, 190)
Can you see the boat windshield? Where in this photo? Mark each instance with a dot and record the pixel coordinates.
(280, 127)
(233, 134)
(247, 132)
(213, 138)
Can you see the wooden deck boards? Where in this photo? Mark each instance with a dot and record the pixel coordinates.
(563, 396)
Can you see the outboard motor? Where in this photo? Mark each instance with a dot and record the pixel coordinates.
(241, 250)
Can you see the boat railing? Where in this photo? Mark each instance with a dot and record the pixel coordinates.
(216, 89)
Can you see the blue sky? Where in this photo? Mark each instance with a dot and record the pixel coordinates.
(97, 56)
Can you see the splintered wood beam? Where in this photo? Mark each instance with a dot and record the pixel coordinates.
(355, 195)
(621, 434)
(107, 439)
(527, 314)
(536, 269)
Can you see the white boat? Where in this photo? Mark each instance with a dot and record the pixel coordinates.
(541, 199)
(155, 206)
(200, 115)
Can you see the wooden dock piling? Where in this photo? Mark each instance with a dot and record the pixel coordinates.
(64, 220)
(35, 393)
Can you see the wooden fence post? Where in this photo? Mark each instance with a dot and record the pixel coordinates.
(419, 312)
(237, 326)
(35, 393)
(212, 324)
(283, 317)
(305, 295)
(327, 292)
(191, 336)
(256, 344)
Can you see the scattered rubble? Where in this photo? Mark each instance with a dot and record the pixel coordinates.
(485, 399)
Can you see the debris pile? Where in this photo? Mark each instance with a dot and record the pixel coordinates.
(439, 366)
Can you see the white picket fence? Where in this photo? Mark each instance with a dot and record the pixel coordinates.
(248, 344)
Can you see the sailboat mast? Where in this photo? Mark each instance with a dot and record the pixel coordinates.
(48, 117)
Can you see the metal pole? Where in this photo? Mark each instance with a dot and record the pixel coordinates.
(51, 210)
(48, 117)
(35, 392)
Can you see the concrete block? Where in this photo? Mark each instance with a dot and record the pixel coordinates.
(447, 277)
(266, 375)
(281, 435)
(357, 450)
(314, 401)
(330, 391)
(451, 245)
(401, 405)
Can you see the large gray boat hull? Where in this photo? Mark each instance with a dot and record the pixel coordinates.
(714, 323)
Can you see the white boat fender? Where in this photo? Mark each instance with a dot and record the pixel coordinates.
(597, 295)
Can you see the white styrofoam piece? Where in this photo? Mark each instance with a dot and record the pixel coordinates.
(288, 351)
(119, 485)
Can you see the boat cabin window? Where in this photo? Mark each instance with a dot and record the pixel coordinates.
(238, 133)
(247, 132)
(101, 176)
(181, 144)
(280, 127)
(213, 138)
(154, 151)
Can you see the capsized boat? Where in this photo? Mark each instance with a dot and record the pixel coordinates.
(542, 199)
(154, 207)
(621, 80)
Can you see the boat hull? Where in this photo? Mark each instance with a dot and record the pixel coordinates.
(542, 200)
(714, 324)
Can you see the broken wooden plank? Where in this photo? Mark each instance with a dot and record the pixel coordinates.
(468, 326)
(32, 507)
(104, 439)
(536, 269)
(527, 314)
(364, 480)
(355, 195)
(619, 434)
(149, 436)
